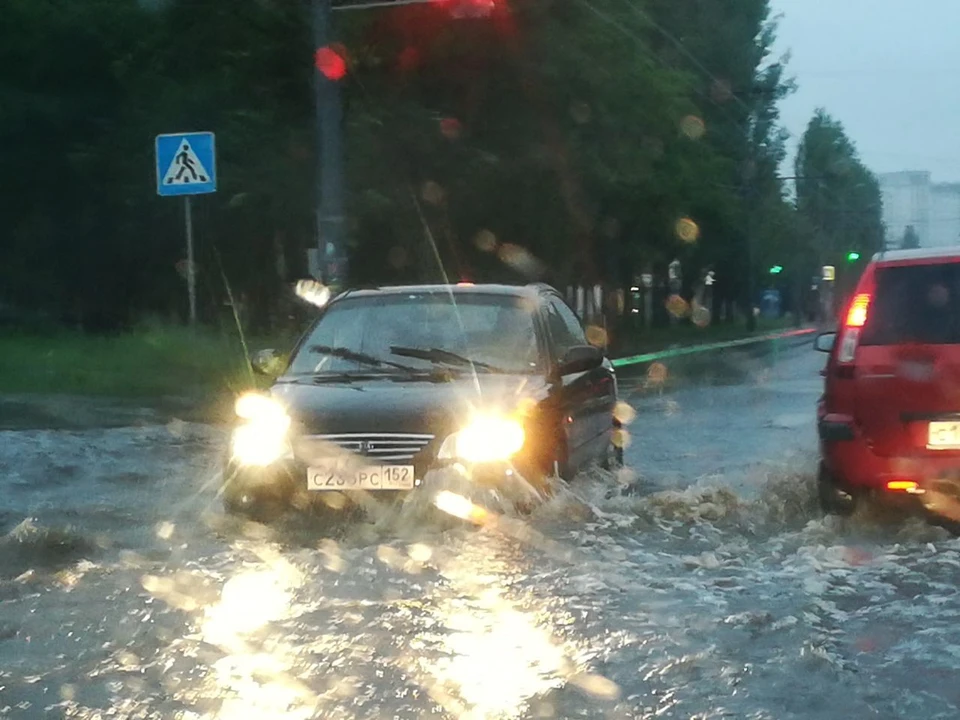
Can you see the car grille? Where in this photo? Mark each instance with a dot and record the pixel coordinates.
(393, 447)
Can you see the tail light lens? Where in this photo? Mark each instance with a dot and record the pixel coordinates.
(856, 319)
(857, 314)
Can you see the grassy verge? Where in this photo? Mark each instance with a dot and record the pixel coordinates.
(177, 362)
(153, 362)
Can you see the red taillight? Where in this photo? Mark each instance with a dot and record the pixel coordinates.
(857, 314)
(856, 319)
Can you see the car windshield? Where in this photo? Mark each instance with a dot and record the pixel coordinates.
(915, 304)
(421, 331)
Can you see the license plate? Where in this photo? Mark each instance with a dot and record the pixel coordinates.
(944, 436)
(372, 477)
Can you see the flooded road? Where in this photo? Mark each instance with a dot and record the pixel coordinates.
(707, 587)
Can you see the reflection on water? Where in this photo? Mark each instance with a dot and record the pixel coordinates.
(494, 656)
(699, 603)
(254, 678)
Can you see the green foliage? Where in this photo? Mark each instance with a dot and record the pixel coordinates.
(838, 197)
(578, 131)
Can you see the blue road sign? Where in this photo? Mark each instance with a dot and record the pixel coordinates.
(186, 164)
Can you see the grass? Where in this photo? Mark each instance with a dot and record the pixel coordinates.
(170, 361)
(151, 362)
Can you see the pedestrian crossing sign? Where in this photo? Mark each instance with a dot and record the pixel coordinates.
(186, 164)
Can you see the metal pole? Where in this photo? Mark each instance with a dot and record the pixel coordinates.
(191, 270)
(329, 157)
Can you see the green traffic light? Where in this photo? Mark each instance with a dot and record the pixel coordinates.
(776, 269)
(853, 256)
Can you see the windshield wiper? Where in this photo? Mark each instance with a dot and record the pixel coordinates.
(436, 355)
(359, 357)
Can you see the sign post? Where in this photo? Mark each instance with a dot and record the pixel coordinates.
(187, 165)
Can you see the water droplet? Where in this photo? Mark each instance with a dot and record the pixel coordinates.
(624, 412)
(687, 230)
(677, 306)
(432, 193)
(451, 128)
(693, 127)
(485, 241)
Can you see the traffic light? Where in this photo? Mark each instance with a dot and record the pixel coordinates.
(776, 269)
(853, 256)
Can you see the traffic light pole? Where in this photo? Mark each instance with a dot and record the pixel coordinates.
(329, 179)
(329, 182)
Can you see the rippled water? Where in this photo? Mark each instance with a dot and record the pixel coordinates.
(124, 592)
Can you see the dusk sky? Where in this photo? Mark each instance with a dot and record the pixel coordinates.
(889, 70)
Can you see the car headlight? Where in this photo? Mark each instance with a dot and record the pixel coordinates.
(488, 438)
(262, 438)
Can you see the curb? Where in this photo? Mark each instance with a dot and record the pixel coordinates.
(693, 349)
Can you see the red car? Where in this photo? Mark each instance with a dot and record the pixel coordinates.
(889, 418)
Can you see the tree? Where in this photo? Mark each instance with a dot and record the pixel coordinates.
(910, 240)
(553, 140)
(838, 196)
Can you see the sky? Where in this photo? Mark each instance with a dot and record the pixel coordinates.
(889, 70)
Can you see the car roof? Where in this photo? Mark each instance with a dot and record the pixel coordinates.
(519, 291)
(892, 257)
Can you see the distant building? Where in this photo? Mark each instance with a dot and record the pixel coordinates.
(933, 209)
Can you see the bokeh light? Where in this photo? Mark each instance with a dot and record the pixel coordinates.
(451, 128)
(700, 316)
(596, 336)
(687, 230)
(624, 413)
(677, 306)
(485, 241)
(620, 438)
(520, 259)
(432, 193)
(693, 127)
(330, 63)
(656, 373)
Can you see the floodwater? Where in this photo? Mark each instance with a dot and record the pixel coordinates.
(702, 583)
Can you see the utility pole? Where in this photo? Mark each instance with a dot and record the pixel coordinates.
(329, 150)
(748, 179)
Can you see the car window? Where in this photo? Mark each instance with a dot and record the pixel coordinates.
(490, 329)
(915, 304)
(564, 327)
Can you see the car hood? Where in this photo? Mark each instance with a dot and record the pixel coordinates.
(392, 405)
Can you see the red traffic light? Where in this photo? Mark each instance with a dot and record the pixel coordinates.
(330, 63)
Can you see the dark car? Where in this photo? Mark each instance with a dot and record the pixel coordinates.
(889, 418)
(391, 384)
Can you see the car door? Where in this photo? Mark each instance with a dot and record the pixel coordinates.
(586, 398)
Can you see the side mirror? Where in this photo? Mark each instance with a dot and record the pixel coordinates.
(825, 341)
(267, 362)
(580, 359)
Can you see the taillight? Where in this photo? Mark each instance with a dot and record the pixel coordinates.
(856, 319)
(857, 314)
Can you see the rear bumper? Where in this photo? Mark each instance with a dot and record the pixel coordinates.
(853, 463)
